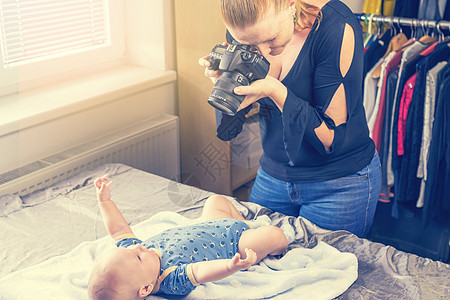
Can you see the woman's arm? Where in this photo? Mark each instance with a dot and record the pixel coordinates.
(274, 89)
(300, 118)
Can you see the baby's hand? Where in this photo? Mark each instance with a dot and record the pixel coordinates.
(236, 263)
(103, 192)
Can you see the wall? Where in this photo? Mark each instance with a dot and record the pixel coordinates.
(205, 159)
(142, 84)
(355, 5)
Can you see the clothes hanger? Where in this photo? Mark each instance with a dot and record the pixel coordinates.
(426, 39)
(439, 32)
(413, 33)
(442, 37)
(366, 21)
(379, 30)
(395, 44)
(399, 25)
(370, 23)
(392, 27)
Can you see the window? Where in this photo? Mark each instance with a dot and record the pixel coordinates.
(44, 38)
(39, 30)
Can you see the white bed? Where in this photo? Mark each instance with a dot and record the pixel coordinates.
(51, 237)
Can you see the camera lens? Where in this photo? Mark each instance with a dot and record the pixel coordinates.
(222, 96)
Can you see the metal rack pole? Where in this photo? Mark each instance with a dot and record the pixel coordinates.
(405, 21)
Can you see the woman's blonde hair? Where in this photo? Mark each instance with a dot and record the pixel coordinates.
(244, 13)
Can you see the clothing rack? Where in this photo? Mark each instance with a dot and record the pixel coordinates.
(430, 24)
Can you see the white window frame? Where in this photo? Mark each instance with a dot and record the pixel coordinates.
(31, 75)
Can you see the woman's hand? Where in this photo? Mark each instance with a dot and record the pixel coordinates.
(212, 74)
(267, 87)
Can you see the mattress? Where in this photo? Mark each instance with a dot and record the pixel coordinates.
(52, 222)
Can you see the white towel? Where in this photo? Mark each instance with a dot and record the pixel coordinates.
(319, 273)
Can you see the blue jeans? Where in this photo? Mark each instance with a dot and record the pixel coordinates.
(347, 203)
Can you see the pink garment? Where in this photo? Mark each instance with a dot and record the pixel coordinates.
(403, 113)
(378, 126)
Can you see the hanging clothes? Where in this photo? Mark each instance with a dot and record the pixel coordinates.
(391, 83)
(432, 85)
(406, 8)
(375, 51)
(403, 90)
(397, 160)
(372, 7)
(446, 15)
(409, 184)
(405, 102)
(379, 7)
(379, 120)
(437, 187)
(370, 91)
(376, 107)
(403, 75)
(395, 44)
(429, 10)
(387, 7)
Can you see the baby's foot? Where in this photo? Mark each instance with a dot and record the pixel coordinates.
(262, 220)
(289, 232)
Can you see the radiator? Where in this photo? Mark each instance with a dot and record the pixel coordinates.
(151, 145)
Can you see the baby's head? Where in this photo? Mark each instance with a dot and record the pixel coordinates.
(124, 273)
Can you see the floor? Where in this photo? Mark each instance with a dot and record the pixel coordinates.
(408, 233)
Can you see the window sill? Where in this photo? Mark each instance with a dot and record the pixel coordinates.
(29, 108)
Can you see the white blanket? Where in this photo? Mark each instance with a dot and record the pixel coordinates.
(319, 273)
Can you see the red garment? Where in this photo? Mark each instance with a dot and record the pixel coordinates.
(429, 49)
(378, 126)
(403, 113)
(405, 102)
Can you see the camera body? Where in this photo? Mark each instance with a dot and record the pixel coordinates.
(240, 66)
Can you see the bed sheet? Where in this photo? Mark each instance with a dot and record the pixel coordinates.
(54, 221)
(318, 273)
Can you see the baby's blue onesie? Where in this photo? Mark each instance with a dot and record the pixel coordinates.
(182, 246)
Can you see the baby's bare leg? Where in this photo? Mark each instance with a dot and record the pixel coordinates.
(263, 240)
(218, 207)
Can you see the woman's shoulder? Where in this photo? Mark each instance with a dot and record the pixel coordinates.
(336, 11)
(338, 7)
(335, 15)
(327, 33)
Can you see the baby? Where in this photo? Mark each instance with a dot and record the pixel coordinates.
(176, 260)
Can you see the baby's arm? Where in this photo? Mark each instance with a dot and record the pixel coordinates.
(213, 270)
(114, 222)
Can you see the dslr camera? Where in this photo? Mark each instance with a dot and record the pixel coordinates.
(240, 66)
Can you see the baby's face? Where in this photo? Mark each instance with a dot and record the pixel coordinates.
(145, 263)
(124, 273)
(136, 266)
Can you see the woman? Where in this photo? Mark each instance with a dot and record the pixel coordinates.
(319, 161)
